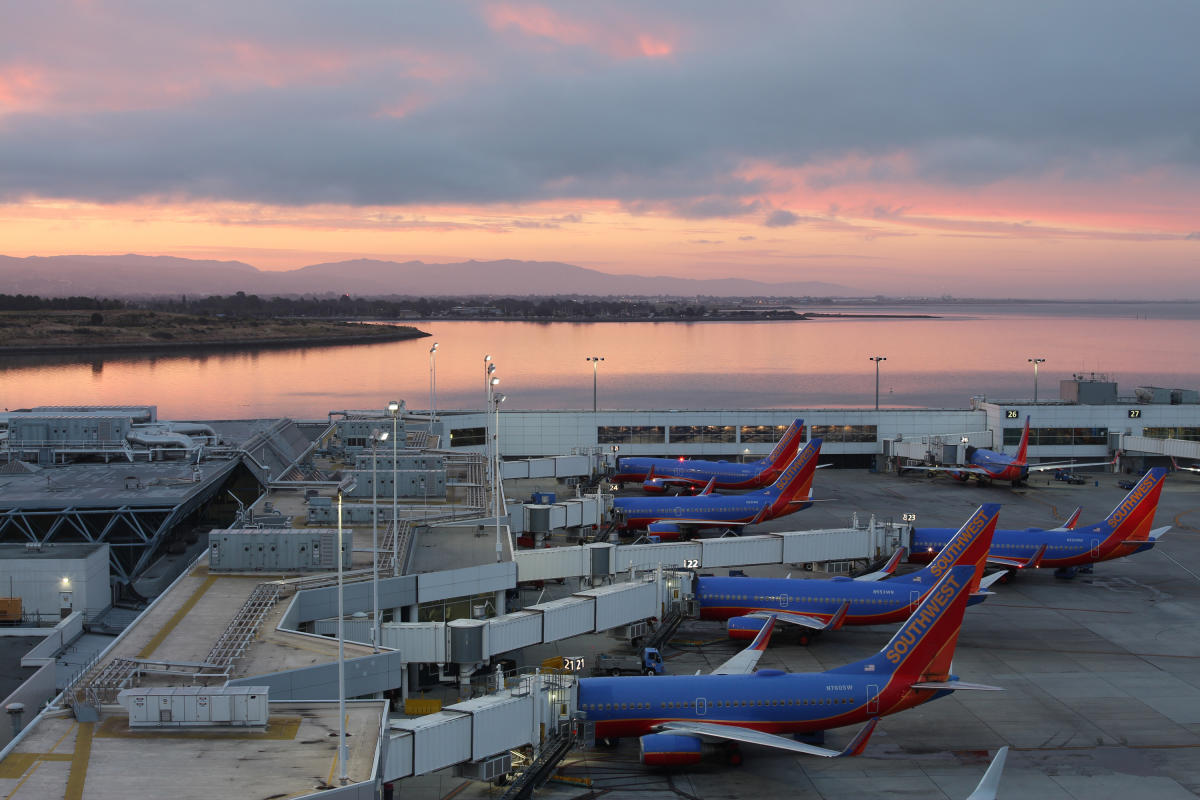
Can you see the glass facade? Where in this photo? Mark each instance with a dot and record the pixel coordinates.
(1187, 434)
(700, 434)
(631, 434)
(456, 608)
(765, 434)
(466, 437)
(1039, 437)
(845, 433)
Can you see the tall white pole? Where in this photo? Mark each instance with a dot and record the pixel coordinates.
(394, 410)
(432, 385)
(1035, 362)
(499, 484)
(376, 437)
(343, 775)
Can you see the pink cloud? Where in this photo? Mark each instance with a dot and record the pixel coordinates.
(615, 40)
(22, 89)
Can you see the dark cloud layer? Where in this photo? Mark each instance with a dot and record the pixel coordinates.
(369, 103)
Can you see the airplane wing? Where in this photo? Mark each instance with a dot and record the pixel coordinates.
(1068, 464)
(963, 468)
(956, 686)
(888, 568)
(1181, 467)
(990, 783)
(1034, 560)
(743, 663)
(733, 733)
(806, 620)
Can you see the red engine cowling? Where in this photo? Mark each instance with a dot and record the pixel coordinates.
(671, 750)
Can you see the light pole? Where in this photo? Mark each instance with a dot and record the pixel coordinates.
(877, 359)
(1035, 362)
(432, 386)
(377, 436)
(393, 408)
(343, 775)
(499, 483)
(595, 368)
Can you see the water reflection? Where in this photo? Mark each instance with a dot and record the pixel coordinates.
(930, 362)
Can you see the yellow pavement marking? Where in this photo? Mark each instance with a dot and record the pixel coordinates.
(176, 618)
(79, 763)
(17, 763)
(21, 782)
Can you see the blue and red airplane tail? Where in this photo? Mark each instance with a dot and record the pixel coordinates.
(969, 546)
(785, 450)
(923, 647)
(1023, 448)
(795, 481)
(1133, 518)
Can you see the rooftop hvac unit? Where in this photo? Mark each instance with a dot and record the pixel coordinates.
(195, 706)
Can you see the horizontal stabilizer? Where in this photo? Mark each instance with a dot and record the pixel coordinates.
(990, 783)
(887, 568)
(734, 733)
(957, 686)
(1158, 532)
(987, 581)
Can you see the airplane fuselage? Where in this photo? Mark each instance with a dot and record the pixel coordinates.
(767, 700)
(725, 474)
(1063, 548)
(871, 603)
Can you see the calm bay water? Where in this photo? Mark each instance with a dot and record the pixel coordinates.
(705, 365)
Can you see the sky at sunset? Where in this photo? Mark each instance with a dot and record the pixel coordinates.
(1020, 149)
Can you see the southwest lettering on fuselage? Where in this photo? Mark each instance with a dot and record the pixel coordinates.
(921, 621)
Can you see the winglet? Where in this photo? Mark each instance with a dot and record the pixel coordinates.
(859, 742)
(990, 784)
(894, 561)
(1035, 561)
(839, 617)
(708, 487)
(760, 641)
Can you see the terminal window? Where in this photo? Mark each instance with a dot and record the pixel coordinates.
(845, 433)
(1041, 437)
(631, 434)
(1187, 434)
(700, 434)
(764, 434)
(466, 437)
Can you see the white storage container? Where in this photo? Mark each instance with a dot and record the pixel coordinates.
(498, 723)
(552, 563)
(623, 603)
(417, 642)
(439, 740)
(648, 556)
(735, 551)
(398, 757)
(835, 545)
(512, 631)
(562, 619)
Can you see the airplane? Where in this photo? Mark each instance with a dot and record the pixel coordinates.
(675, 716)
(660, 474)
(988, 465)
(1181, 467)
(671, 517)
(1125, 531)
(828, 604)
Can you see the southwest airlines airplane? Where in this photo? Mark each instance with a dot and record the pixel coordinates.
(676, 716)
(828, 604)
(1128, 529)
(987, 465)
(659, 474)
(674, 516)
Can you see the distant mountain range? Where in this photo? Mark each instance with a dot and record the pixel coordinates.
(140, 276)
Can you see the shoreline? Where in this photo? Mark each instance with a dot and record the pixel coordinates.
(267, 343)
